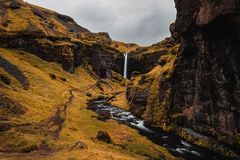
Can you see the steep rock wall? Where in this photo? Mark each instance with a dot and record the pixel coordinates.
(201, 95)
(207, 75)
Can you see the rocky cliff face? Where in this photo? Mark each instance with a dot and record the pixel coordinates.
(151, 74)
(202, 94)
(206, 79)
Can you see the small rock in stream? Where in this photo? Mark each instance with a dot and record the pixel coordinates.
(103, 115)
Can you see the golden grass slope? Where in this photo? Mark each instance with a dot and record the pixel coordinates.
(39, 22)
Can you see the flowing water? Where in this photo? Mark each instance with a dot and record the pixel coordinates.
(173, 143)
(125, 65)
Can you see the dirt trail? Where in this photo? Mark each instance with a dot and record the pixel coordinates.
(57, 120)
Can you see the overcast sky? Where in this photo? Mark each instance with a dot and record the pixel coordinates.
(139, 21)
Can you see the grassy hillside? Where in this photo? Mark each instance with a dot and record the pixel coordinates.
(45, 120)
(19, 18)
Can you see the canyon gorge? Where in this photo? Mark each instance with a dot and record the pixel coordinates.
(57, 78)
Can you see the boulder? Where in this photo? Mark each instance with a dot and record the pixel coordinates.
(104, 137)
(103, 115)
(14, 5)
(79, 145)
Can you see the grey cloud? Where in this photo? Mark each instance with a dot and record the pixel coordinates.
(139, 21)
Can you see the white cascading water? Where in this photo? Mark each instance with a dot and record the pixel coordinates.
(125, 65)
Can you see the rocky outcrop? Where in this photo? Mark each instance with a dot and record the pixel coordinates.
(202, 93)
(207, 75)
(149, 93)
(104, 137)
(15, 72)
(144, 59)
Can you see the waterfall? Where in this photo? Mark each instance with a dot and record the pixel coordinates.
(125, 65)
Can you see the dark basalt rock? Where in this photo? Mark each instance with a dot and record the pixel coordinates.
(138, 62)
(15, 72)
(5, 79)
(207, 73)
(4, 127)
(52, 76)
(103, 115)
(63, 79)
(104, 136)
(138, 98)
(14, 5)
(39, 13)
(174, 33)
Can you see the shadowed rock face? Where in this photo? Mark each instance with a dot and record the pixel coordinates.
(149, 97)
(206, 81)
(144, 59)
(203, 93)
(15, 72)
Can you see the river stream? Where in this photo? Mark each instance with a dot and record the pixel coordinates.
(176, 146)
